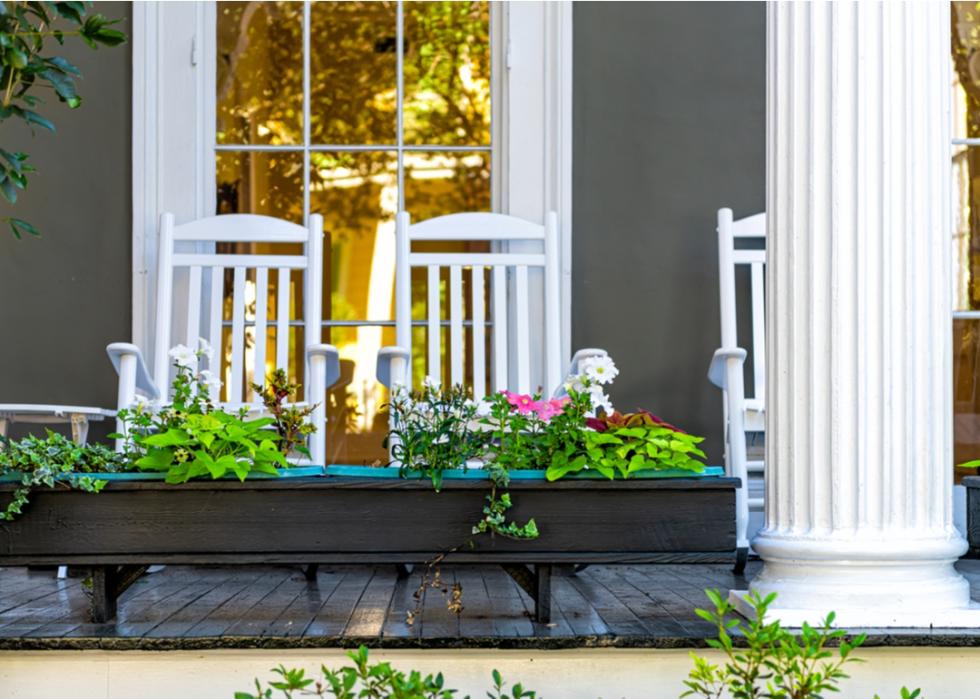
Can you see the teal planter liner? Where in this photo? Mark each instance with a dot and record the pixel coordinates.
(296, 472)
(476, 474)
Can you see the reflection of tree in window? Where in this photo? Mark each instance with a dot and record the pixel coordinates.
(966, 170)
(353, 104)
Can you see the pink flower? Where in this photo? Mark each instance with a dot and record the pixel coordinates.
(548, 409)
(522, 402)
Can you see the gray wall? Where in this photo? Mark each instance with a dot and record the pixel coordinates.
(65, 295)
(669, 126)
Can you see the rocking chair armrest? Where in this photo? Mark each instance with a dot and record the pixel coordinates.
(332, 362)
(717, 373)
(393, 366)
(574, 367)
(118, 351)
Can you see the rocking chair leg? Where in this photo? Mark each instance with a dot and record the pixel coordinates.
(310, 571)
(741, 558)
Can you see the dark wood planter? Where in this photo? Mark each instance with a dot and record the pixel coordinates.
(366, 520)
(972, 485)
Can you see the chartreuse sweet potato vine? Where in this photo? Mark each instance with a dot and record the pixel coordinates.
(191, 437)
(26, 65)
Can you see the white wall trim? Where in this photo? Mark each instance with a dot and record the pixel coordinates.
(146, 64)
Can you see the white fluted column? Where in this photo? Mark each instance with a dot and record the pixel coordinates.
(859, 409)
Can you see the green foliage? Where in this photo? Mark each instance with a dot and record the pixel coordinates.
(494, 520)
(771, 662)
(291, 421)
(191, 437)
(366, 680)
(25, 65)
(53, 460)
(623, 451)
(433, 430)
(531, 433)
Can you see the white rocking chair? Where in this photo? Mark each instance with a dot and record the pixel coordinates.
(512, 343)
(742, 414)
(206, 270)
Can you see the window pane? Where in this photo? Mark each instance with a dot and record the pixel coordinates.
(357, 193)
(445, 183)
(353, 78)
(260, 72)
(447, 73)
(966, 391)
(356, 423)
(966, 160)
(261, 183)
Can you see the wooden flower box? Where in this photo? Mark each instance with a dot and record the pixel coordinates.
(133, 523)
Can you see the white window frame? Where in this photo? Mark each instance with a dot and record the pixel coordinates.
(174, 127)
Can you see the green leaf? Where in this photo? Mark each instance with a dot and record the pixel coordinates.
(63, 86)
(34, 118)
(171, 438)
(8, 189)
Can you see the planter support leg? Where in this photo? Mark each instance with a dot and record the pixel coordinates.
(310, 571)
(108, 582)
(536, 584)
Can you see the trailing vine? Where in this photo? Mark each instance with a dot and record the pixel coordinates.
(53, 461)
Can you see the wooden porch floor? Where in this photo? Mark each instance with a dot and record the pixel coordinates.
(186, 607)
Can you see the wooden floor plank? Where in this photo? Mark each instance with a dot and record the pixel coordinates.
(476, 619)
(368, 618)
(396, 623)
(437, 620)
(218, 620)
(332, 618)
(303, 609)
(510, 618)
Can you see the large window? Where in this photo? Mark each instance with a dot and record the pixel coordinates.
(353, 110)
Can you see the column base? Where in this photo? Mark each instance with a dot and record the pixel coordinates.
(877, 617)
(869, 578)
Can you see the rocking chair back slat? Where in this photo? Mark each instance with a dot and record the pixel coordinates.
(434, 315)
(522, 327)
(479, 333)
(510, 297)
(499, 315)
(237, 336)
(282, 320)
(194, 308)
(260, 335)
(215, 316)
(456, 323)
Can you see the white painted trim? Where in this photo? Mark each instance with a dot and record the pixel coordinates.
(146, 63)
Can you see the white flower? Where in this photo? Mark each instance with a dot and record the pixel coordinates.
(483, 407)
(143, 404)
(205, 349)
(600, 369)
(599, 399)
(575, 383)
(432, 384)
(212, 382)
(183, 356)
